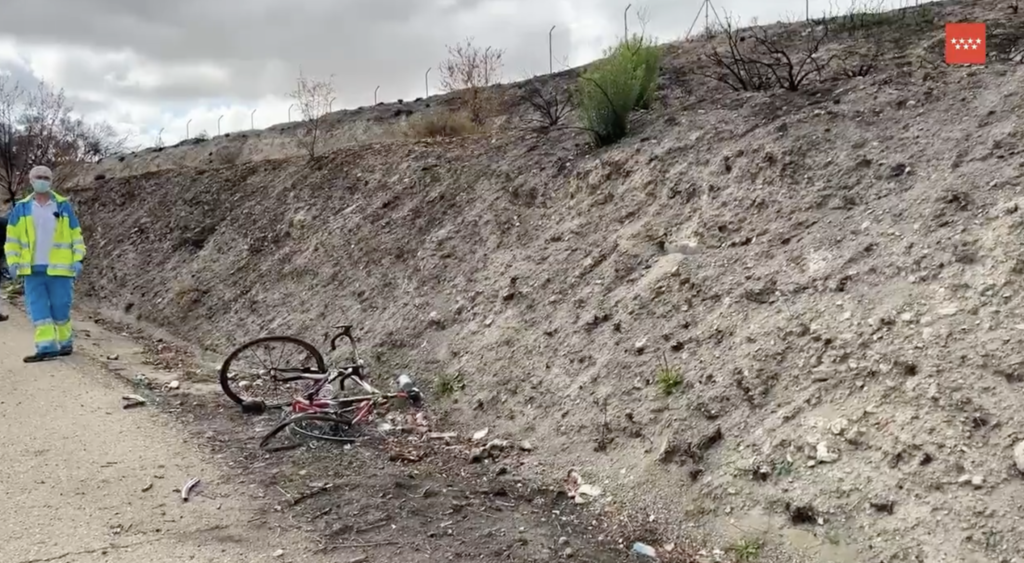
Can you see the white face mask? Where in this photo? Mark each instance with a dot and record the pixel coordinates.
(40, 186)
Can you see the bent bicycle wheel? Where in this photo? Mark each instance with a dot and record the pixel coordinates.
(312, 425)
(272, 370)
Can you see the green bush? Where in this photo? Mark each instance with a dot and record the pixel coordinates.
(626, 79)
(646, 59)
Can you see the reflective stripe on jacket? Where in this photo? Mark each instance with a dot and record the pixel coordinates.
(68, 244)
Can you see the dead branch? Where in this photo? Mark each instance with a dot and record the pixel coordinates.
(761, 60)
(548, 107)
(858, 65)
(736, 68)
(791, 71)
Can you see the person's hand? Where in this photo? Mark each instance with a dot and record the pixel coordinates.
(77, 267)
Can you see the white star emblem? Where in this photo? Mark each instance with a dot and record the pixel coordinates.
(965, 43)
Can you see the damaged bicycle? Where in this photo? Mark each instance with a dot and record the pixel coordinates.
(297, 379)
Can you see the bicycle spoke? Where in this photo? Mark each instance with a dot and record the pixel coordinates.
(257, 371)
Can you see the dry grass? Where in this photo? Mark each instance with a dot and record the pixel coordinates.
(441, 124)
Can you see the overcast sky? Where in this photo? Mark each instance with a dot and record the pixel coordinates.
(146, 65)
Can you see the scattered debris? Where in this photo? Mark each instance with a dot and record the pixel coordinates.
(1018, 456)
(188, 488)
(480, 454)
(885, 506)
(132, 401)
(578, 490)
(447, 436)
(174, 384)
(644, 549)
(113, 357)
(147, 486)
(279, 553)
(823, 455)
(526, 446)
(480, 435)
(803, 514)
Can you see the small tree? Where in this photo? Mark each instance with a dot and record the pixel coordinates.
(472, 69)
(626, 79)
(313, 97)
(607, 93)
(37, 127)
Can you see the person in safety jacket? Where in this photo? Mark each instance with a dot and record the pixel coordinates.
(45, 247)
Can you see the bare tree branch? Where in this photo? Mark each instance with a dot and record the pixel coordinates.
(548, 106)
(38, 127)
(762, 60)
(472, 69)
(313, 96)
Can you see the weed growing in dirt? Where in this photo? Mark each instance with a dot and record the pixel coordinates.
(441, 124)
(613, 87)
(783, 468)
(448, 384)
(668, 378)
(746, 550)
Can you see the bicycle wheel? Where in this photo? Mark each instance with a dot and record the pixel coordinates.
(313, 425)
(255, 372)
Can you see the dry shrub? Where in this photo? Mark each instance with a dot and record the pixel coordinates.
(760, 59)
(472, 70)
(441, 124)
(313, 96)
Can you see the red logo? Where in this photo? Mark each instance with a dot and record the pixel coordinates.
(965, 43)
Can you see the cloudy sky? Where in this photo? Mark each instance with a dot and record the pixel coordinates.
(147, 65)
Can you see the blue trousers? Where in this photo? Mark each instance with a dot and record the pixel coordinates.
(48, 300)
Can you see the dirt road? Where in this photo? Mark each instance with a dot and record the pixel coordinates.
(83, 480)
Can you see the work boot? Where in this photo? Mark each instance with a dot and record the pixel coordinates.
(40, 357)
(66, 351)
(3, 317)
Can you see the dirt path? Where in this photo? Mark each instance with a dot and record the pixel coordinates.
(83, 480)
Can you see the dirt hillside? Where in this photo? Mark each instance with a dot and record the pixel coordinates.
(788, 317)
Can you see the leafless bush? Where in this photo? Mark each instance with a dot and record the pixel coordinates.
(472, 70)
(858, 65)
(548, 107)
(37, 128)
(1005, 41)
(313, 96)
(759, 59)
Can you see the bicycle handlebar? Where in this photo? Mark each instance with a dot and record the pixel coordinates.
(346, 332)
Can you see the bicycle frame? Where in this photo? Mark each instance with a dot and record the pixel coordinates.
(353, 372)
(363, 404)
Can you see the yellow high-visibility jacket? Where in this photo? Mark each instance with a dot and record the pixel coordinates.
(68, 244)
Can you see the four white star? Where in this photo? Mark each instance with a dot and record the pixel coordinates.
(965, 43)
